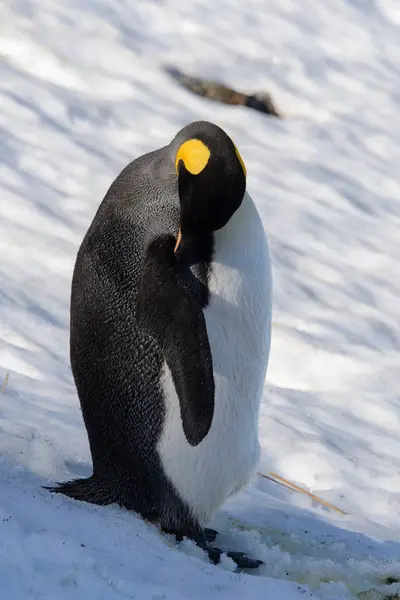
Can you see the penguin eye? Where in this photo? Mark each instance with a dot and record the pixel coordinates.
(241, 161)
(194, 154)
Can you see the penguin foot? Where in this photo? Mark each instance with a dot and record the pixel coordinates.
(211, 534)
(202, 539)
(240, 558)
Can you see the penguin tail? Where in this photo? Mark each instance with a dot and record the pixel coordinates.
(92, 489)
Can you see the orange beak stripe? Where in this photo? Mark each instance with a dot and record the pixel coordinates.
(178, 240)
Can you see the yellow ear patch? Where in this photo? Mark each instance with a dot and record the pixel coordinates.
(195, 156)
(241, 161)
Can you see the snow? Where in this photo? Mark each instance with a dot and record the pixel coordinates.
(83, 91)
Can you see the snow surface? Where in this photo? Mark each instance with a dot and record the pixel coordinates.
(82, 92)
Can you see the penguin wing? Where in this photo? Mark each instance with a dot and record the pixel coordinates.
(174, 318)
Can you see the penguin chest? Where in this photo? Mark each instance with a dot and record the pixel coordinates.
(238, 318)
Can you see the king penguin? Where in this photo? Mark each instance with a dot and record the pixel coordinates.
(170, 327)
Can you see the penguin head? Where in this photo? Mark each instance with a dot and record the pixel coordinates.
(211, 180)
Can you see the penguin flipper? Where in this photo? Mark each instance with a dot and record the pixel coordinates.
(90, 490)
(175, 320)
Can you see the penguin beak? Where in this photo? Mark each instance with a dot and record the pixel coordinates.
(182, 246)
(178, 240)
(185, 246)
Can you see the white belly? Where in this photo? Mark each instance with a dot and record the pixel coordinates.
(238, 320)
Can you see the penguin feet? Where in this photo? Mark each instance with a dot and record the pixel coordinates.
(203, 539)
(211, 534)
(240, 558)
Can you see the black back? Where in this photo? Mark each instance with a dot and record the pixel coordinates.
(126, 259)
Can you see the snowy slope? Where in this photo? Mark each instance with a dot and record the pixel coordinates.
(82, 92)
